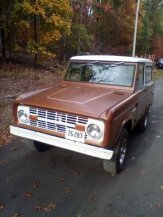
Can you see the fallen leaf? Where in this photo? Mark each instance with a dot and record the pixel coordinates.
(93, 199)
(38, 208)
(50, 207)
(4, 138)
(62, 178)
(9, 140)
(43, 208)
(161, 187)
(36, 184)
(68, 190)
(159, 205)
(46, 209)
(2, 206)
(28, 195)
(76, 173)
(13, 149)
(4, 162)
(17, 215)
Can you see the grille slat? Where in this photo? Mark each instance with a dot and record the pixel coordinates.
(55, 121)
(33, 123)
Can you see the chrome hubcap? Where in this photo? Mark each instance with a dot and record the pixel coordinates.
(123, 152)
(146, 121)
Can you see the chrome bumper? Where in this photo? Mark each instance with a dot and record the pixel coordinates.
(63, 143)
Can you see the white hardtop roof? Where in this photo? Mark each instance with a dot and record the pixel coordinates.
(110, 58)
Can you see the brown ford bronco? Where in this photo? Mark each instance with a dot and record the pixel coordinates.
(92, 111)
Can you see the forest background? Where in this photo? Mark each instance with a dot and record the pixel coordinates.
(62, 28)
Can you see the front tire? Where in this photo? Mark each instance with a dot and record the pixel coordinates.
(116, 164)
(41, 147)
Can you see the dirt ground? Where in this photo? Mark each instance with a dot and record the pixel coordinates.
(16, 79)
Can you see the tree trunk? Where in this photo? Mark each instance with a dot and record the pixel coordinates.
(35, 37)
(79, 38)
(2, 37)
(8, 28)
(2, 32)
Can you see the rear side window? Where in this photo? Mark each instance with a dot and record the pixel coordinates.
(148, 74)
(140, 75)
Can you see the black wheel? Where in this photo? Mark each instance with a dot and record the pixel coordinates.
(116, 164)
(143, 123)
(41, 147)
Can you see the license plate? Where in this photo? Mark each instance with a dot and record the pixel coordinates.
(75, 135)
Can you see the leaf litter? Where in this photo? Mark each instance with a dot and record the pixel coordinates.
(36, 184)
(45, 208)
(15, 80)
(2, 206)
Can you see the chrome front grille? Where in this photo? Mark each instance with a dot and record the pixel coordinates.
(54, 120)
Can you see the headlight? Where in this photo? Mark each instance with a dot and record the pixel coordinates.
(23, 117)
(94, 131)
(23, 114)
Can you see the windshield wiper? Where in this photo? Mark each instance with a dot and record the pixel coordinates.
(112, 65)
(116, 64)
(90, 63)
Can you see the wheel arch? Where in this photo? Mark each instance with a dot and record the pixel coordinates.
(127, 125)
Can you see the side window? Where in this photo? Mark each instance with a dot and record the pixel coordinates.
(140, 75)
(148, 74)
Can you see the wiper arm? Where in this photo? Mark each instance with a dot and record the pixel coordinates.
(113, 65)
(90, 63)
(116, 64)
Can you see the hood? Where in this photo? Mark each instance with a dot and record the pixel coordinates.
(89, 101)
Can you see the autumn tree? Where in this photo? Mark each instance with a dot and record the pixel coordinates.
(114, 25)
(150, 35)
(80, 40)
(44, 22)
(62, 28)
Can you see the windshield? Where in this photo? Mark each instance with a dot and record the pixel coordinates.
(119, 74)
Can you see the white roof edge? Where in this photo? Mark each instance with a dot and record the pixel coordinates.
(110, 58)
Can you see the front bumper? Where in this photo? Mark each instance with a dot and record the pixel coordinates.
(63, 143)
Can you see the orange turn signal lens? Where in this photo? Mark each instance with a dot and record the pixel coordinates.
(80, 127)
(33, 117)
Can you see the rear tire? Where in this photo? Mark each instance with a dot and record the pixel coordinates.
(116, 164)
(41, 147)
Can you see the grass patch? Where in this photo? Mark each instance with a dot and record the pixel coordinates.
(158, 74)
